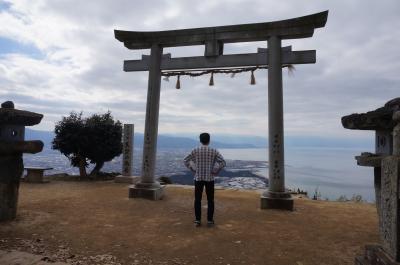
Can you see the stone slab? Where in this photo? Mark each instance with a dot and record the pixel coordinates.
(375, 255)
(23, 258)
(127, 179)
(277, 203)
(369, 160)
(19, 258)
(146, 193)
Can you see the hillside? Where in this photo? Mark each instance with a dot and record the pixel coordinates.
(90, 223)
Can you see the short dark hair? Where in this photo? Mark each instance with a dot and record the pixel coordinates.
(205, 138)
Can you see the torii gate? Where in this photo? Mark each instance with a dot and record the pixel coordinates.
(214, 38)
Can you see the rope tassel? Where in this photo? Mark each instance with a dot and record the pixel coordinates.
(291, 69)
(252, 79)
(211, 79)
(178, 82)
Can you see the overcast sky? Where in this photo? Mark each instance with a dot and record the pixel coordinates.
(59, 56)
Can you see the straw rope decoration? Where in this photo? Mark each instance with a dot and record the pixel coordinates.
(232, 71)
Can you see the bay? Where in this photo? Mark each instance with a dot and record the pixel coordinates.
(332, 172)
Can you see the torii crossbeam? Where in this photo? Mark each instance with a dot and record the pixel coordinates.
(214, 38)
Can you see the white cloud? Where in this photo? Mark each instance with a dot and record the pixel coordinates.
(80, 66)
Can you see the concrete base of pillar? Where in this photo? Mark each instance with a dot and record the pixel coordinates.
(151, 193)
(375, 255)
(127, 179)
(277, 200)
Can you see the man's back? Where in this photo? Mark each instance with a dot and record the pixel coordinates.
(205, 162)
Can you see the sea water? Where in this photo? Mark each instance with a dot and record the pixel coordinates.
(332, 172)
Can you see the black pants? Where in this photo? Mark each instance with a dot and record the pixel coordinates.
(198, 192)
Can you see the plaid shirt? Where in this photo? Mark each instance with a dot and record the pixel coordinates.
(204, 161)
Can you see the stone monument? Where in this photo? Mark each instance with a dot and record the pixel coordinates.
(127, 156)
(12, 146)
(385, 121)
(127, 151)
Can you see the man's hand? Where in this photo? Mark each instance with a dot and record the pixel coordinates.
(214, 173)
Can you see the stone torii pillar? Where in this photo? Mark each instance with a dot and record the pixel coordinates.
(148, 187)
(275, 196)
(213, 38)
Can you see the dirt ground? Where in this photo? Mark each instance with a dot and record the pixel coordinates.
(96, 223)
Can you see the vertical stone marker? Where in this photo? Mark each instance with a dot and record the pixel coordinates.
(127, 156)
(127, 151)
(12, 146)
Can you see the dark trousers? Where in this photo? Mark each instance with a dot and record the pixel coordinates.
(198, 192)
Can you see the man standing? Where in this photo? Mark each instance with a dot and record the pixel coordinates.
(205, 162)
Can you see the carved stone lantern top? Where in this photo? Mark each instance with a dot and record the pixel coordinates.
(380, 119)
(11, 116)
(12, 130)
(383, 120)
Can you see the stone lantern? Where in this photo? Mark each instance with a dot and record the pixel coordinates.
(385, 121)
(12, 146)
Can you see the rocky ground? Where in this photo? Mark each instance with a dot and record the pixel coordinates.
(95, 223)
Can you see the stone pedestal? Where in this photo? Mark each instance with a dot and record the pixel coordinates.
(126, 179)
(151, 192)
(34, 177)
(35, 174)
(277, 200)
(11, 169)
(375, 255)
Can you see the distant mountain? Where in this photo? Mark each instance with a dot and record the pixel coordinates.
(254, 141)
(164, 141)
(228, 141)
(317, 141)
(45, 136)
(290, 141)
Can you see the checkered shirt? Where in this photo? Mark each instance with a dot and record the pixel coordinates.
(204, 161)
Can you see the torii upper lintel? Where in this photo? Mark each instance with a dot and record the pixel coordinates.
(300, 27)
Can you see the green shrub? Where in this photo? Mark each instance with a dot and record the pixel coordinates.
(95, 140)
